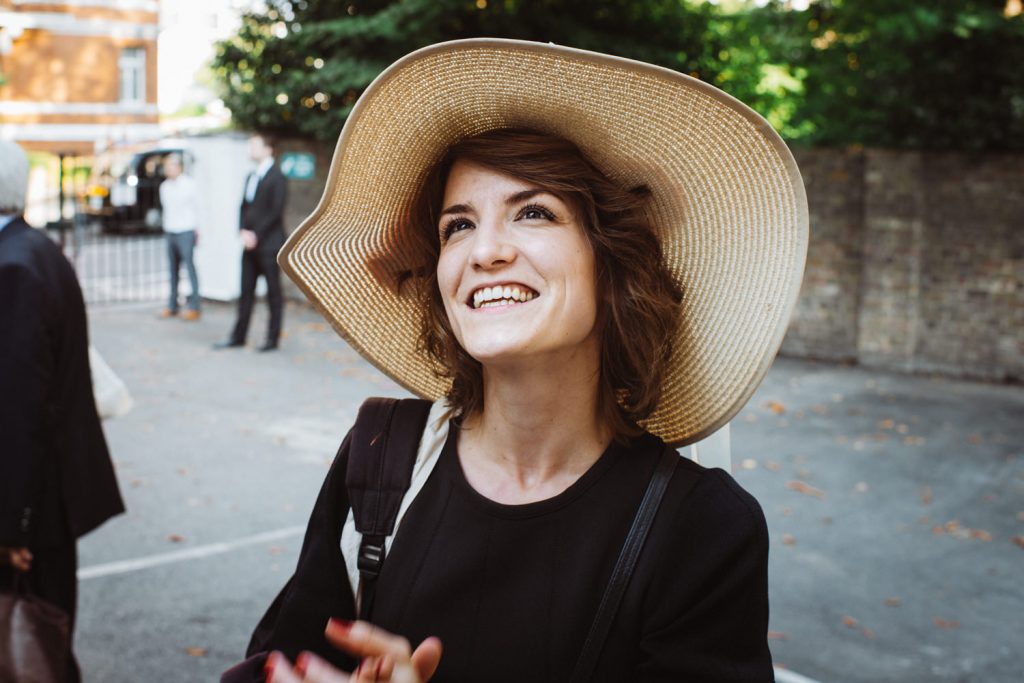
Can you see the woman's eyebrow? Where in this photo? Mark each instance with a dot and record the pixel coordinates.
(523, 196)
(457, 208)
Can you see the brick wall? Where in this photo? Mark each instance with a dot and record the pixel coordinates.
(916, 262)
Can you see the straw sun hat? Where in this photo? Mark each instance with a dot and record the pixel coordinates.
(726, 201)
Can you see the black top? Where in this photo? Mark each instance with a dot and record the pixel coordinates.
(511, 590)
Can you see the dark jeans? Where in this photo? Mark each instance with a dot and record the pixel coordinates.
(256, 262)
(52, 578)
(180, 246)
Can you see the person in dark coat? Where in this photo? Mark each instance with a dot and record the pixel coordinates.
(57, 481)
(261, 225)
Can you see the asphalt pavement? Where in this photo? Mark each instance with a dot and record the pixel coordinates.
(895, 504)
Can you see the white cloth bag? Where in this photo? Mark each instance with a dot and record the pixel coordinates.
(112, 397)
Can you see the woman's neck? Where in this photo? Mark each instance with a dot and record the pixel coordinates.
(539, 431)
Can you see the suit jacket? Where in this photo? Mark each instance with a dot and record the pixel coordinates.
(264, 215)
(56, 476)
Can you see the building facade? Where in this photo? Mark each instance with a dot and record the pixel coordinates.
(77, 75)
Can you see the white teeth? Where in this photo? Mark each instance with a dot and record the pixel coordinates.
(501, 296)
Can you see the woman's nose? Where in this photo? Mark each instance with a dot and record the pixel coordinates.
(492, 246)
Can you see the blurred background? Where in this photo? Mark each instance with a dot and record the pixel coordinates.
(886, 445)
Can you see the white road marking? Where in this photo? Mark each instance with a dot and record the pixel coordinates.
(787, 676)
(140, 563)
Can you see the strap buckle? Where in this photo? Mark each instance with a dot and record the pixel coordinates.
(371, 556)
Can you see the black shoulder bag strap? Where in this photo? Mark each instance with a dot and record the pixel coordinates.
(385, 440)
(617, 584)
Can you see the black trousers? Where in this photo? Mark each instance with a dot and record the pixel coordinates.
(256, 262)
(52, 578)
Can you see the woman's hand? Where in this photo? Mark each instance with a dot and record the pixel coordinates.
(385, 657)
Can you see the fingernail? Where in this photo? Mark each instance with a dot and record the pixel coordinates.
(302, 663)
(376, 672)
(268, 666)
(342, 625)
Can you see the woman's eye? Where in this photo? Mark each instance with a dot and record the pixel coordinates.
(453, 226)
(535, 212)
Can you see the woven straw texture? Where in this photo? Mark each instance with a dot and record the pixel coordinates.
(727, 201)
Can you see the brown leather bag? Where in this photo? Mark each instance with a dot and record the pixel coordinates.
(34, 637)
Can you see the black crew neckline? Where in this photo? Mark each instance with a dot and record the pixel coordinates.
(450, 459)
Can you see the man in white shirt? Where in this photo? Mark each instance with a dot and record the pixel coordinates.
(179, 197)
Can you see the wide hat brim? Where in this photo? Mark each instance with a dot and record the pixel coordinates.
(727, 202)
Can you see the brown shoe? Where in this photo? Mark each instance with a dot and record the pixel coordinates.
(190, 315)
(168, 313)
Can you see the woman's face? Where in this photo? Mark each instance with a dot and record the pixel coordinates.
(516, 272)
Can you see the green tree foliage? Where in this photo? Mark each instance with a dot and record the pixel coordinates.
(299, 67)
(884, 73)
(919, 75)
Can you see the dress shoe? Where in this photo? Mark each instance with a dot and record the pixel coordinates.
(269, 346)
(168, 313)
(190, 315)
(229, 344)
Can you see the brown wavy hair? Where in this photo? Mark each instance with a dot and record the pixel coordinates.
(638, 298)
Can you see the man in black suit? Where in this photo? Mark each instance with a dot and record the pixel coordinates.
(57, 482)
(261, 225)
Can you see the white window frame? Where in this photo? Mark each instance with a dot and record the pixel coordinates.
(131, 68)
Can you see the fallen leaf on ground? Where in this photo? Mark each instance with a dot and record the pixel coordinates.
(946, 624)
(775, 407)
(819, 409)
(196, 651)
(926, 495)
(777, 635)
(183, 471)
(773, 466)
(886, 424)
(981, 534)
(868, 633)
(788, 539)
(1019, 540)
(175, 538)
(974, 439)
(893, 602)
(850, 622)
(805, 489)
(913, 440)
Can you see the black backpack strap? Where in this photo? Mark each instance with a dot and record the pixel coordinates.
(624, 566)
(385, 440)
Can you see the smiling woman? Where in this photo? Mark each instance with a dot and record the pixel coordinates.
(573, 279)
